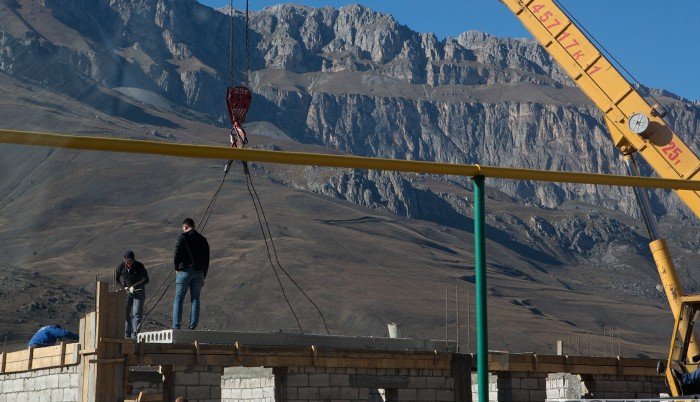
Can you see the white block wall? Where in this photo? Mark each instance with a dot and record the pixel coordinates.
(52, 385)
(258, 389)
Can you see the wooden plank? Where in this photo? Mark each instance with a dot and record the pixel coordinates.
(30, 358)
(49, 351)
(63, 353)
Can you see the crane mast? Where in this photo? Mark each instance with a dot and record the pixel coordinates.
(634, 125)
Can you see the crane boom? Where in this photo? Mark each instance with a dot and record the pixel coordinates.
(634, 125)
(624, 108)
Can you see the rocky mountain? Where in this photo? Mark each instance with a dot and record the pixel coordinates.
(354, 81)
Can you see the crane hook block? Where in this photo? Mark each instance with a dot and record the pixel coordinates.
(238, 101)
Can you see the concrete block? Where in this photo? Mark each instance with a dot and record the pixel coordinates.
(292, 392)
(298, 380)
(246, 393)
(210, 379)
(409, 395)
(618, 386)
(51, 381)
(257, 393)
(215, 393)
(436, 382)
(308, 393)
(186, 378)
(236, 393)
(340, 380)
(57, 394)
(70, 394)
(417, 382)
(538, 395)
(528, 383)
(445, 395)
(514, 395)
(349, 393)
(329, 393)
(199, 392)
(427, 394)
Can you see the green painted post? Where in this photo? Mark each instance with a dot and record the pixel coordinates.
(482, 341)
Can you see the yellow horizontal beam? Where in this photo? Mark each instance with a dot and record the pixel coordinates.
(339, 161)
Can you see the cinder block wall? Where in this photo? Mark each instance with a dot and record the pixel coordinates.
(54, 385)
(243, 384)
(623, 386)
(197, 383)
(357, 384)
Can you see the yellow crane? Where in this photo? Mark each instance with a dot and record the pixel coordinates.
(636, 127)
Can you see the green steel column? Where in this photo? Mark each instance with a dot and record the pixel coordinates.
(482, 341)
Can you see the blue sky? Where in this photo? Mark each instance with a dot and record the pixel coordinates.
(657, 41)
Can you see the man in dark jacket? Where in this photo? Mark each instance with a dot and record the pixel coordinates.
(191, 263)
(132, 276)
(48, 335)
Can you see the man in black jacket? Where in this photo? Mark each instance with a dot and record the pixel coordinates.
(131, 275)
(191, 263)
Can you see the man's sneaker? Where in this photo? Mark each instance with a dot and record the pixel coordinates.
(193, 328)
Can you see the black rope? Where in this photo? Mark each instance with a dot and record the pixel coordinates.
(210, 208)
(247, 48)
(274, 249)
(230, 43)
(269, 255)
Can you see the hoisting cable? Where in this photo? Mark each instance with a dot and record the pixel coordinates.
(249, 183)
(247, 48)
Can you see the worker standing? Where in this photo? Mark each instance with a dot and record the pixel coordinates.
(191, 263)
(132, 276)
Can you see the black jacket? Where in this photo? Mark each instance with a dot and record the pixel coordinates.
(192, 252)
(136, 276)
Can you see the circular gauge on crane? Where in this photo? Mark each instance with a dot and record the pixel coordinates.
(638, 123)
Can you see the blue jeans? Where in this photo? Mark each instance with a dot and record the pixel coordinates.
(691, 379)
(192, 280)
(134, 312)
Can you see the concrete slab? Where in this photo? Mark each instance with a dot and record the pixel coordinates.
(285, 339)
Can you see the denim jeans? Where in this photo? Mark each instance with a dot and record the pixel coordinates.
(134, 312)
(192, 280)
(691, 380)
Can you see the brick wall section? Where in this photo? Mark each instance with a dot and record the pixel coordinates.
(359, 384)
(197, 383)
(623, 386)
(56, 384)
(241, 384)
